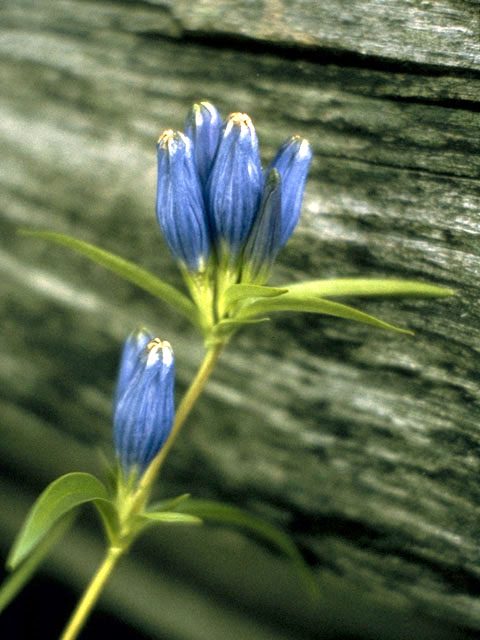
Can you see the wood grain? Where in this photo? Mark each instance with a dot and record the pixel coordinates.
(438, 32)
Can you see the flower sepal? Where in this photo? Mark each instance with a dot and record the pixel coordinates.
(239, 292)
(171, 517)
(201, 287)
(169, 503)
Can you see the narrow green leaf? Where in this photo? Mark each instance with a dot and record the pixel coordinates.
(237, 292)
(219, 513)
(62, 495)
(15, 582)
(127, 270)
(169, 503)
(310, 304)
(367, 287)
(171, 517)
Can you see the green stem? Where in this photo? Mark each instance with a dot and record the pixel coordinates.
(186, 405)
(91, 594)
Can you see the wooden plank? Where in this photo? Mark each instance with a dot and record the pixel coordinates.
(438, 33)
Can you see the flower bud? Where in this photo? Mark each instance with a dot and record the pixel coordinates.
(235, 185)
(180, 205)
(144, 405)
(264, 240)
(292, 162)
(203, 127)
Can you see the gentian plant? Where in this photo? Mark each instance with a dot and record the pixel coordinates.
(224, 219)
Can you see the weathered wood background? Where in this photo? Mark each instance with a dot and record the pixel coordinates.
(363, 445)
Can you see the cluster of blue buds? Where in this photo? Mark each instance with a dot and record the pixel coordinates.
(144, 405)
(224, 220)
(216, 206)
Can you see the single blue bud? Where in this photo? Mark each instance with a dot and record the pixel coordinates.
(292, 162)
(264, 240)
(180, 204)
(235, 185)
(203, 127)
(144, 408)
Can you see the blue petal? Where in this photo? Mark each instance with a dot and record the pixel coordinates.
(292, 162)
(144, 414)
(235, 185)
(264, 240)
(133, 347)
(203, 127)
(180, 204)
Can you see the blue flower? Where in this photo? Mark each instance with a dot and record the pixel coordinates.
(203, 127)
(264, 240)
(292, 162)
(180, 204)
(235, 185)
(144, 405)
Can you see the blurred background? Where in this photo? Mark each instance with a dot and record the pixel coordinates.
(360, 444)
